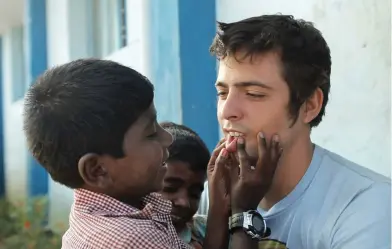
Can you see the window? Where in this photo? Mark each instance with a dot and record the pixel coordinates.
(19, 84)
(108, 27)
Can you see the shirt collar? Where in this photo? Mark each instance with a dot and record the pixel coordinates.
(103, 205)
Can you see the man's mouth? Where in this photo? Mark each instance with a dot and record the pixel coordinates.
(231, 141)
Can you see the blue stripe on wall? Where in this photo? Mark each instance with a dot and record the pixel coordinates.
(197, 22)
(182, 69)
(2, 173)
(165, 66)
(36, 56)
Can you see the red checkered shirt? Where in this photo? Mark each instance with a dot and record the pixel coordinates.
(99, 221)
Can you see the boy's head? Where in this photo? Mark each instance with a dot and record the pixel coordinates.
(92, 124)
(274, 76)
(186, 172)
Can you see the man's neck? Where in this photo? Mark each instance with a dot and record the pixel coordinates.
(291, 169)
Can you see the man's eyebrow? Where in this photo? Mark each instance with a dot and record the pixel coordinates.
(244, 84)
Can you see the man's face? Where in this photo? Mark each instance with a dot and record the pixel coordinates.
(253, 97)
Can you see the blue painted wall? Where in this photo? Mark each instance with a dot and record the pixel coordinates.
(2, 173)
(182, 69)
(165, 64)
(36, 57)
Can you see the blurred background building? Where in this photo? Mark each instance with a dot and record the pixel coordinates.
(168, 41)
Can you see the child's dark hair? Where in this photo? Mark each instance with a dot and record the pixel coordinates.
(84, 106)
(187, 146)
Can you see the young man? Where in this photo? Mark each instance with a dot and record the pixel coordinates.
(274, 76)
(184, 182)
(92, 125)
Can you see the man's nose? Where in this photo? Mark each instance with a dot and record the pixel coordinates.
(230, 108)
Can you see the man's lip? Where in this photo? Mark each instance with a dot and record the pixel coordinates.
(227, 130)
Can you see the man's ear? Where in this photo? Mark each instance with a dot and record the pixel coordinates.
(312, 106)
(93, 171)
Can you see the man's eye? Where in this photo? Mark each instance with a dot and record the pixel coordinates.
(256, 95)
(221, 93)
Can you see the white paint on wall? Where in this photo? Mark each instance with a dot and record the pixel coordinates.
(358, 120)
(15, 153)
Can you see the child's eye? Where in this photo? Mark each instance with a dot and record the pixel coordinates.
(169, 189)
(153, 135)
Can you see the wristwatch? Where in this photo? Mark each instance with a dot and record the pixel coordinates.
(251, 222)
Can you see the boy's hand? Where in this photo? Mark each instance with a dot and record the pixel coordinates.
(218, 179)
(250, 183)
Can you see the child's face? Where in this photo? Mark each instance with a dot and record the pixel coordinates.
(141, 170)
(183, 187)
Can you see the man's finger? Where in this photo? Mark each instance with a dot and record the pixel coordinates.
(243, 157)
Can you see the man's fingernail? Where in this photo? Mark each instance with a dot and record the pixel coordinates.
(224, 153)
(261, 135)
(276, 138)
(241, 140)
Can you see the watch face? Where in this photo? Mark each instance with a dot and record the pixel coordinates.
(258, 223)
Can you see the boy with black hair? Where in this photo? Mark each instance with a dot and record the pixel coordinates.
(184, 180)
(92, 125)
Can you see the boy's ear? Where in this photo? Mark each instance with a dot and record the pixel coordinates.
(93, 171)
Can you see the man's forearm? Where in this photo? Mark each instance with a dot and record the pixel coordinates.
(217, 232)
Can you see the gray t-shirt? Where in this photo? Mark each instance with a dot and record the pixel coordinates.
(336, 205)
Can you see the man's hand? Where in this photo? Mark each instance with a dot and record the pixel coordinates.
(250, 183)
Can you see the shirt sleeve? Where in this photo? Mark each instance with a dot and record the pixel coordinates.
(142, 239)
(200, 226)
(366, 221)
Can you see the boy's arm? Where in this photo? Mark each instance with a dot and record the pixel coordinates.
(151, 238)
(217, 231)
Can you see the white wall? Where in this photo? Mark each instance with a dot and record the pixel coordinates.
(15, 153)
(67, 40)
(358, 32)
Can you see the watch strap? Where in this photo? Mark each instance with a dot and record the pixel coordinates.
(236, 221)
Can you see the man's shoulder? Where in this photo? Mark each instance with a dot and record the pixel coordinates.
(351, 172)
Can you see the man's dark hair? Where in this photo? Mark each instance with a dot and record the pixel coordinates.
(84, 106)
(305, 55)
(187, 146)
